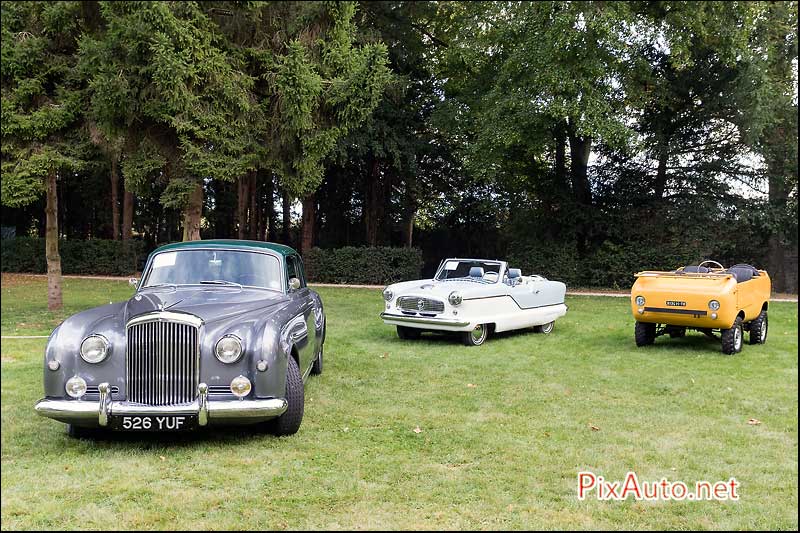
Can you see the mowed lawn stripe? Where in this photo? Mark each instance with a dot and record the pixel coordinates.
(503, 430)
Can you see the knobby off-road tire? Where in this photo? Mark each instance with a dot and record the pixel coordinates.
(545, 328)
(759, 329)
(645, 333)
(289, 422)
(316, 367)
(733, 338)
(408, 334)
(477, 336)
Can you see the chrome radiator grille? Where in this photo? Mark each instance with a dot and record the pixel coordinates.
(162, 362)
(418, 304)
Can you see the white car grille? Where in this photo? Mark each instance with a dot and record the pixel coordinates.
(417, 304)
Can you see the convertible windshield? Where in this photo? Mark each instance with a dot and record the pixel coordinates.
(215, 267)
(469, 269)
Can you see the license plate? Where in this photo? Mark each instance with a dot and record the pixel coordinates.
(156, 422)
(676, 303)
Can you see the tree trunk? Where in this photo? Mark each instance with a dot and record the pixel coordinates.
(309, 216)
(127, 215)
(241, 206)
(114, 198)
(192, 214)
(287, 218)
(661, 173)
(269, 216)
(254, 218)
(579, 150)
(373, 201)
(54, 301)
(408, 228)
(560, 137)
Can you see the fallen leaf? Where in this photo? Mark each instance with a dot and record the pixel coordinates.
(546, 434)
(471, 385)
(384, 356)
(417, 430)
(754, 422)
(730, 389)
(692, 381)
(162, 457)
(346, 429)
(594, 428)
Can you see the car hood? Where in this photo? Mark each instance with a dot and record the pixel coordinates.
(211, 304)
(442, 289)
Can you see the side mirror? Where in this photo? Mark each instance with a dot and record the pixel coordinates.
(133, 282)
(294, 284)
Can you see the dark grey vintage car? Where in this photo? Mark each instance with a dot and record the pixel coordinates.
(218, 332)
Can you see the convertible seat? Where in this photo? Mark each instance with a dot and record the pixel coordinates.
(742, 273)
(476, 272)
(514, 276)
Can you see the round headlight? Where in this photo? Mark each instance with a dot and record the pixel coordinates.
(94, 348)
(713, 305)
(388, 295)
(640, 301)
(75, 387)
(454, 298)
(228, 349)
(240, 386)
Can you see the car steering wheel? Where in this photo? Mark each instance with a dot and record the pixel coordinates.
(711, 261)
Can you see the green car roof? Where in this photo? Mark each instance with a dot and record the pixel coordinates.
(229, 243)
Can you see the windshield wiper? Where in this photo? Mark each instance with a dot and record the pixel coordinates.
(221, 282)
(159, 285)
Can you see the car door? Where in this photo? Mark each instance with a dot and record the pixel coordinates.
(304, 333)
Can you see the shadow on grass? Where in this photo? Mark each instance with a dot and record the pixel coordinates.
(244, 435)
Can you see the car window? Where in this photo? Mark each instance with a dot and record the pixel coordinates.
(192, 267)
(294, 269)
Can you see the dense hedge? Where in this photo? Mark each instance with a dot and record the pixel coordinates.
(364, 265)
(95, 256)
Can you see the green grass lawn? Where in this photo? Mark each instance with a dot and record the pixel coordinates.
(503, 430)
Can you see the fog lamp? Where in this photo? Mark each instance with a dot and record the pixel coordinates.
(76, 387)
(240, 386)
(641, 311)
(713, 316)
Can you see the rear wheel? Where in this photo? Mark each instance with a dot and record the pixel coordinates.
(545, 328)
(289, 422)
(758, 329)
(408, 334)
(645, 333)
(477, 336)
(732, 338)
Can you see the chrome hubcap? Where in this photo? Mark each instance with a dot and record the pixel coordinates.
(737, 338)
(478, 334)
(763, 333)
(547, 328)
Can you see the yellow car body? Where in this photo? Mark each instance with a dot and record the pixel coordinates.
(705, 299)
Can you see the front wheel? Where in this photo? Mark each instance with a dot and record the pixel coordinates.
(477, 336)
(545, 328)
(289, 422)
(645, 333)
(408, 334)
(758, 329)
(732, 338)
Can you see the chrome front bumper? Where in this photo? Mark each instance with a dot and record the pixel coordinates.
(99, 412)
(422, 322)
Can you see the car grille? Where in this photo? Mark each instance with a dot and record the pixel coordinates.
(427, 305)
(162, 362)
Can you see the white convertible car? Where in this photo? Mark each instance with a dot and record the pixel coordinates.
(474, 297)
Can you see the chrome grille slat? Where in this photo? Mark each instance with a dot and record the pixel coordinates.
(411, 303)
(162, 362)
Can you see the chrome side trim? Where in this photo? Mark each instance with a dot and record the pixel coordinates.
(416, 320)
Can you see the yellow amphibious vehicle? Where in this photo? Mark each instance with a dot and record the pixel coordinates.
(705, 297)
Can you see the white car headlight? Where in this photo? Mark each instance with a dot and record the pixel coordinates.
(94, 348)
(640, 301)
(388, 294)
(454, 298)
(228, 349)
(713, 305)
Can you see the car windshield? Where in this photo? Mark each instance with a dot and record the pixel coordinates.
(469, 270)
(215, 267)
